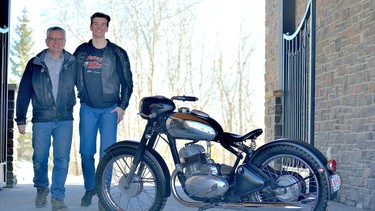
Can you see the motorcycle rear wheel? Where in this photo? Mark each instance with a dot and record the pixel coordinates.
(296, 170)
(145, 191)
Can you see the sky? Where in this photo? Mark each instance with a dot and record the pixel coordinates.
(217, 16)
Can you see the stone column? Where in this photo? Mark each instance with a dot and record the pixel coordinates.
(274, 120)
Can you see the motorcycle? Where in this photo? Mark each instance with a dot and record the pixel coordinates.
(285, 173)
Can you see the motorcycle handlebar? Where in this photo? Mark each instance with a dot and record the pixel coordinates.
(185, 98)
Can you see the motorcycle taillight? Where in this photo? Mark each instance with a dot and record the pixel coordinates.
(331, 165)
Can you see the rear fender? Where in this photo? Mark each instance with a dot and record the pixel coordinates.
(151, 153)
(297, 143)
(311, 150)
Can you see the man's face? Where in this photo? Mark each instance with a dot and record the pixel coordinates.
(55, 42)
(99, 27)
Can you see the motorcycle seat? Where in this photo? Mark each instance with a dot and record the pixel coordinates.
(231, 137)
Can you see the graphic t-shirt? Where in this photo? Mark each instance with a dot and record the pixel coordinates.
(93, 67)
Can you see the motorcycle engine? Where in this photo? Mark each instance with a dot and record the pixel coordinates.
(202, 178)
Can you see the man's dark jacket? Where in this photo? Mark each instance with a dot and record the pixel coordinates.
(117, 87)
(36, 86)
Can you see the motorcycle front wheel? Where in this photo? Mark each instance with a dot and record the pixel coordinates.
(296, 178)
(145, 191)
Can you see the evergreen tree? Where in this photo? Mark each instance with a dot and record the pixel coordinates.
(21, 45)
(20, 53)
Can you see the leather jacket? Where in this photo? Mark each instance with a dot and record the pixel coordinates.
(36, 86)
(115, 88)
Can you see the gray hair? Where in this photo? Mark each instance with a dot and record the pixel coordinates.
(55, 28)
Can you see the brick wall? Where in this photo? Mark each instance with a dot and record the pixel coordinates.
(345, 90)
(345, 94)
(11, 177)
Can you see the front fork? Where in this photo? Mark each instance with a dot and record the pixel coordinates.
(148, 134)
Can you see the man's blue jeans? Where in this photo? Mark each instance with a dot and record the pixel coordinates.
(92, 120)
(61, 132)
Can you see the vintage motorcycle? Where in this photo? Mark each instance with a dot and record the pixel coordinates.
(286, 174)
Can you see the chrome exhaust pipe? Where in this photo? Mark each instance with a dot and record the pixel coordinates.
(260, 205)
(205, 205)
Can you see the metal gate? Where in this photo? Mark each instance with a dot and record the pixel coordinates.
(4, 39)
(298, 59)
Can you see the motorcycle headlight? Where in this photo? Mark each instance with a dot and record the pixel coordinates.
(146, 102)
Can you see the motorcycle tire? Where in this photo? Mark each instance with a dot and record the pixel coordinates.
(145, 192)
(296, 170)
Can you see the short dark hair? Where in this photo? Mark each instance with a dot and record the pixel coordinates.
(55, 28)
(100, 15)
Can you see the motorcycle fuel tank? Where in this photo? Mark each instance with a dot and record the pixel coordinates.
(190, 127)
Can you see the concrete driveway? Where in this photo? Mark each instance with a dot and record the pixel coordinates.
(21, 198)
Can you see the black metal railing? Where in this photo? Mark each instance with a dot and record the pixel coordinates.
(299, 78)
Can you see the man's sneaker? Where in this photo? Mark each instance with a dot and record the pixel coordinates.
(41, 197)
(87, 198)
(58, 204)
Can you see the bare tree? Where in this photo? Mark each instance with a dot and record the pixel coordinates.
(167, 59)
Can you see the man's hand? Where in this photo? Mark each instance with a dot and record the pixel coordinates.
(120, 113)
(22, 129)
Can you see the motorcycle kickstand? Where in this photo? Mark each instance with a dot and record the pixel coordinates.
(205, 207)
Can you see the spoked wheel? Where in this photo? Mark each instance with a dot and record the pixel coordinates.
(296, 177)
(145, 191)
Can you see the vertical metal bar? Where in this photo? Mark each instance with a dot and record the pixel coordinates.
(307, 86)
(286, 89)
(281, 43)
(295, 84)
(290, 90)
(304, 75)
(293, 90)
(312, 70)
(283, 85)
(298, 86)
(4, 47)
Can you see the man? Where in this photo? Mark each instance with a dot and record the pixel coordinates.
(104, 88)
(48, 82)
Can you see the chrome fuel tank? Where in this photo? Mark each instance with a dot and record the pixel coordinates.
(190, 127)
